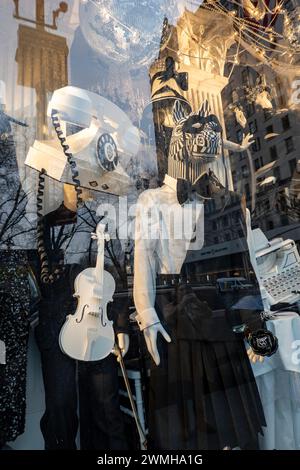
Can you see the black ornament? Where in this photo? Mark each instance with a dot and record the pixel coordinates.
(263, 342)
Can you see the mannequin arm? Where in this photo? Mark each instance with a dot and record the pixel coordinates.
(150, 335)
(144, 285)
(123, 342)
(247, 141)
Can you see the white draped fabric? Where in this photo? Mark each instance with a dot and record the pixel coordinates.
(278, 380)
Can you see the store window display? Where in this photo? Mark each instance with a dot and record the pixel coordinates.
(150, 106)
(202, 391)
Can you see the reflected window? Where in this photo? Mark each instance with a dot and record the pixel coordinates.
(289, 144)
(284, 220)
(269, 129)
(250, 109)
(239, 135)
(273, 153)
(245, 171)
(253, 126)
(292, 165)
(258, 162)
(267, 114)
(286, 123)
(236, 216)
(225, 220)
(277, 173)
(245, 77)
(256, 145)
(247, 190)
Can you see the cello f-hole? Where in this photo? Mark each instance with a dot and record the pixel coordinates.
(82, 314)
(103, 323)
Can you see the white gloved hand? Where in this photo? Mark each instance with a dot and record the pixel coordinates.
(247, 141)
(150, 334)
(123, 342)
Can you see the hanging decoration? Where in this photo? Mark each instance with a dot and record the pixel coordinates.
(257, 9)
(240, 116)
(291, 26)
(263, 100)
(259, 31)
(130, 31)
(259, 94)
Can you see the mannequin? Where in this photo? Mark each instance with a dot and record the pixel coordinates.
(202, 391)
(192, 123)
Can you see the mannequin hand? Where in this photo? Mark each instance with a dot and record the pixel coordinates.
(150, 335)
(254, 357)
(247, 141)
(123, 342)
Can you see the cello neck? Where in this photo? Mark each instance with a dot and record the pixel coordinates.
(100, 257)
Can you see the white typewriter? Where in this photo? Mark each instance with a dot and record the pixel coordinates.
(277, 267)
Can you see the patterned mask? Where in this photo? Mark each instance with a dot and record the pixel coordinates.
(200, 133)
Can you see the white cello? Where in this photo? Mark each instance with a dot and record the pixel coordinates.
(88, 334)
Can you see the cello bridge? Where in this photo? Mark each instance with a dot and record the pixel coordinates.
(94, 314)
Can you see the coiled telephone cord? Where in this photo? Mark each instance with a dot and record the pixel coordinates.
(46, 276)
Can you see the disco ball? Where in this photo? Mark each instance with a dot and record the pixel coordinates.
(128, 30)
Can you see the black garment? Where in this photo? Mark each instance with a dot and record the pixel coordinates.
(14, 309)
(101, 420)
(59, 423)
(203, 395)
(14, 289)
